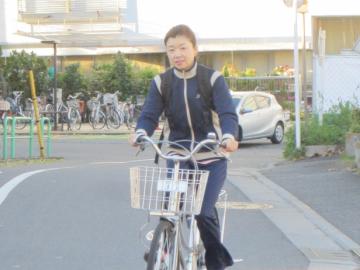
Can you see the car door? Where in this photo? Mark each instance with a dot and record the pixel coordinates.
(265, 116)
(248, 116)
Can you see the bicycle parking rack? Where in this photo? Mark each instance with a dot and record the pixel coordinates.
(30, 137)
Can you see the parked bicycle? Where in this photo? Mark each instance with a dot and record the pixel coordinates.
(97, 118)
(29, 107)
(68, 114)
(114, 117)
(175, 195)
(16, 109)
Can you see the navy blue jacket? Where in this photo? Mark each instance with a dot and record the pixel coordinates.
(186, 120)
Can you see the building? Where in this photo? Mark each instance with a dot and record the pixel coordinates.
(336, 53)
(91, 31)
(245, 36)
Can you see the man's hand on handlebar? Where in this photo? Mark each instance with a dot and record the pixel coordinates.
(229, 145)
(135, 138)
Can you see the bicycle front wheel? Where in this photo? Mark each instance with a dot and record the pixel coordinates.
(97, 119)
(163, 253)
(20, 124)
(74, 119)
(114, 119)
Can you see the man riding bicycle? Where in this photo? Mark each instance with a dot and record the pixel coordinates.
(188, 120)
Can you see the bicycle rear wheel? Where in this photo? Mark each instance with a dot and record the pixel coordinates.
(163, 253)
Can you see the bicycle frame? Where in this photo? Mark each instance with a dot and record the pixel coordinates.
(173, 213)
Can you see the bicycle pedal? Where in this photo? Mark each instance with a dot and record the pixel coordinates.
(146, 256)
(150, 235)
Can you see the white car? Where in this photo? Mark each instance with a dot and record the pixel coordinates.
(260, 116)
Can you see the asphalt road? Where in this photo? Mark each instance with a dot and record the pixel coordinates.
(75, 214)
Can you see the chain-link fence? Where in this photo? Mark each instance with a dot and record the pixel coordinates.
(336, 80)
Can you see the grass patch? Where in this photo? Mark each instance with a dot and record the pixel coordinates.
(31, 161)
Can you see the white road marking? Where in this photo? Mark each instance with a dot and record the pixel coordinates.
(121, 162)
(14, 182)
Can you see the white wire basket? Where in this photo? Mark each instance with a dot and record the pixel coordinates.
(167, 191)
(92, 104)
(72, 103)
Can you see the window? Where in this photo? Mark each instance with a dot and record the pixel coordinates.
(250, 104)
(262, 101)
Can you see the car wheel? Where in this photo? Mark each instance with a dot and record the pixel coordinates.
(278, 134)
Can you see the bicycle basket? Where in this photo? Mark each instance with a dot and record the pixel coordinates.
(92, 104)
(167, 191)
(72, 103)
(107, 98)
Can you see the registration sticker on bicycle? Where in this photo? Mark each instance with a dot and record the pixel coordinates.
(167, 190)
(172, 186)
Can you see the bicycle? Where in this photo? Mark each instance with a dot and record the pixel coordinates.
(16, 109)
(114, 117)
(97, 118)
(69, 114)
(175, 195)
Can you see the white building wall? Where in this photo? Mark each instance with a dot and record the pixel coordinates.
(334, 8)
(9, 26)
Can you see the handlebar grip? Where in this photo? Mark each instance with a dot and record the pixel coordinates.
(139, 137)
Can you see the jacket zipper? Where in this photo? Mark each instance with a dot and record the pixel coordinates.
(188, 116)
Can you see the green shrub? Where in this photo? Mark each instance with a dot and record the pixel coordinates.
(71, 81)
(290, 150)
(332, 131)
(355, 121)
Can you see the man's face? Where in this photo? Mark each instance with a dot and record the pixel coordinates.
(181, 52)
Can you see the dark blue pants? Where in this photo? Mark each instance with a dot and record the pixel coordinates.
(216, 256)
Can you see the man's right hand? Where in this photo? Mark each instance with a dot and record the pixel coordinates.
(134, 137)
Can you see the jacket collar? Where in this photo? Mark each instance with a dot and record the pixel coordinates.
(186, 74)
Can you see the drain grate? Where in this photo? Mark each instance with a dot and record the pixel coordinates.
(238, 173)
(356, 251)
(328, 255)
(243, 205)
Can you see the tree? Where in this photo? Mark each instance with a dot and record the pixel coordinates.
(3, 91)
(16, 72)
(97, 79)
(142, 79)
(71, 81)
(120, 77)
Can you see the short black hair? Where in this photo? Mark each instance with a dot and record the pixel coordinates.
(181, 30)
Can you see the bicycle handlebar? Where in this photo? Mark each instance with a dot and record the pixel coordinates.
(70, 97)
(211, 140)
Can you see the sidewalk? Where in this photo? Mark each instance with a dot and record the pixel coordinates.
(315, 204)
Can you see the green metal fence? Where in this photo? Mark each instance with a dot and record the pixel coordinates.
(12, 136)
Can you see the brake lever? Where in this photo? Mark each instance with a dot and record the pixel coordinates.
(141, 149)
